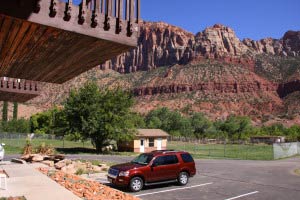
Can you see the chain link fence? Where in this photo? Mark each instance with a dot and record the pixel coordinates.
(18, 140)
(216, 148)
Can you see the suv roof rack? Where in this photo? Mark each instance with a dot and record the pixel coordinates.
(164, 151)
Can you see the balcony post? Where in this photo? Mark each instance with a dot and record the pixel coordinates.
(130, 10)
(108, 14)
(53, 8)
(138, 11)
(94, 13)
(82, 12)
(119, 15)
(68, 10)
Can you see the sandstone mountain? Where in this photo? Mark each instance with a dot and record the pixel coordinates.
(161, 44)
(212, 71)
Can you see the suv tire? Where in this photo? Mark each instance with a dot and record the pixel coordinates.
(183, 178)
(136, 184)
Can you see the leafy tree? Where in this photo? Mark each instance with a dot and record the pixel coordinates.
(185, 127)
(170, 121)
(16, 126)
(43, 123)
(154, 122)
(5, 111)
(15, 112)
(293, 133)
(274, 130)
(201, 125)
(236, 127)
(101, 115)
(60, 125)
(138, 120)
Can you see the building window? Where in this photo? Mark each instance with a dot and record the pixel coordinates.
(151, 142)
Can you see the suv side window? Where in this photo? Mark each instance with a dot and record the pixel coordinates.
(187, 158)
(166, 160)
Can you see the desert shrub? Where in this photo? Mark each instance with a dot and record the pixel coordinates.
(28, 149)
(45, 149)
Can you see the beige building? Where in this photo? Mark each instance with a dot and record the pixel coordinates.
(146, 140)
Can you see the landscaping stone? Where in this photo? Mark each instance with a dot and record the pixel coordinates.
(50, 163)
(37, 157)
(86, 189)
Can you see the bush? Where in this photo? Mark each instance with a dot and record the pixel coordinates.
(45, 149)
(16, 126)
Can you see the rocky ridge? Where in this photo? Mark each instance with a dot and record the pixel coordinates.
(212, 72)
(161, 44)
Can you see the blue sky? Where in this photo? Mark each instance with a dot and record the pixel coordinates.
(255, 19)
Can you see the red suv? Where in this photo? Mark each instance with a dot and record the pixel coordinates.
(157, 167)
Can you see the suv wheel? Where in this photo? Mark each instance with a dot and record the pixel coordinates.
(183, 178)
(136, 184)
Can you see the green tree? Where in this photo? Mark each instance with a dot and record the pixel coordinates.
(16, 126)
(44, 122)
(5, 111)
(274, 130)
(101, 115)
(170, 121)
(15, 112)
(59, 125)
(201, 125)
(236, 127)
(293, 133)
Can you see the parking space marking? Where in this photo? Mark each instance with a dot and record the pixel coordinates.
(204, 184)
(243, 195)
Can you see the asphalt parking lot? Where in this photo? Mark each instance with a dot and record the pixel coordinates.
(230, 179)
(233, 179)
(225, 180)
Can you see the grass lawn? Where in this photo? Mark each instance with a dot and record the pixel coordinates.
(232, 151)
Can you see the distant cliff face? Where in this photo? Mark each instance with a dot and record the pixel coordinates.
(289, 45)
(161, 44)
(212, 72)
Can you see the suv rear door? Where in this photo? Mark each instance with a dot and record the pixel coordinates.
(165, 167)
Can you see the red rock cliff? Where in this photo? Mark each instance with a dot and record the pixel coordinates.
(161, 44)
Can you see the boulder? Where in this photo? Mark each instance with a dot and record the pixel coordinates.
(71, 169)
(37, 158)
(60, 164)
(50, 163)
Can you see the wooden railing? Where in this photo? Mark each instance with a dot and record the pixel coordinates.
(121, 14)
(18, 85)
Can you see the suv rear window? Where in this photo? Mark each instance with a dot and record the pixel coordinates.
(166, 160)
(187, 158)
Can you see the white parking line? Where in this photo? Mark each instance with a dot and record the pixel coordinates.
(173, 189)
(243, 195)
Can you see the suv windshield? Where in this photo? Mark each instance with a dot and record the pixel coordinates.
(143, 159)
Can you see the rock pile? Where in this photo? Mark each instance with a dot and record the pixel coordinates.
(86, 189)
(78, 167)
(46, 159)
(66, 165)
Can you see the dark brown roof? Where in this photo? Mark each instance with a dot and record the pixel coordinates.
(151, 133)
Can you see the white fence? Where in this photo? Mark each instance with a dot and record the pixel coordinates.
(284, 150)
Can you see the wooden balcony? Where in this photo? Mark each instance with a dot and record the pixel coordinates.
(54, 41)
(18, 90)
